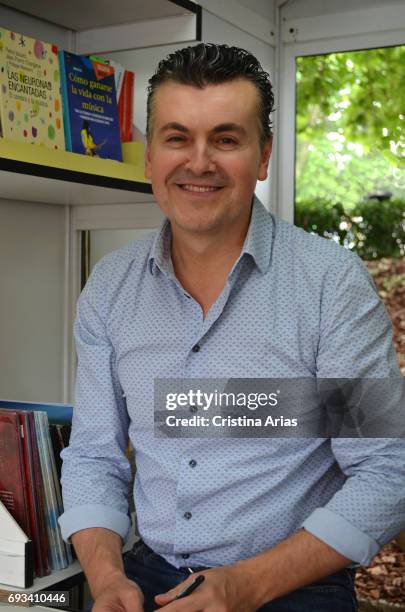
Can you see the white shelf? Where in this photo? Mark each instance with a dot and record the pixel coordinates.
(45, 582)
(71, 178)
(29, 188)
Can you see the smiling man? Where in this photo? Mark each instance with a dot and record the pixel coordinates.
(224, 289)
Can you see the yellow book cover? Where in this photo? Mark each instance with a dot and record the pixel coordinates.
(30, 99)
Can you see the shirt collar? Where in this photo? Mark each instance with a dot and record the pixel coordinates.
(257, 243)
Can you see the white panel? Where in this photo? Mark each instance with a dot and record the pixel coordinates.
(297, 9)
(31, 305)
(36, 28)
(106, 241)
(265, 8)
(119, 216)
(135, 35)
(242, 17)
(375, 19)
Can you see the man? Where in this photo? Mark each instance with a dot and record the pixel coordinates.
(223, 290)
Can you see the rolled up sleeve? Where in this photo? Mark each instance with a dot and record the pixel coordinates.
(356, 342)
(95, 472)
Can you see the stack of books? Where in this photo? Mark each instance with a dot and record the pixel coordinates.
(30, 469)
(62, 100)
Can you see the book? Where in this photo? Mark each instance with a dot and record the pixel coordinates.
(59, 552)
(42, 479)
(60, 435)
(57, 413)
(13, 491)
(125, 100)
(34, 489)
(16, 557)
(30, 98)
(89, 106)
(124, 86)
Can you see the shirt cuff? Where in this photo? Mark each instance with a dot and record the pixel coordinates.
(93, 515)
(341, 535)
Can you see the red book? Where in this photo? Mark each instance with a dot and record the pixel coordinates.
(126, 106)
(39, 497)
(12, 475)
(34, 494)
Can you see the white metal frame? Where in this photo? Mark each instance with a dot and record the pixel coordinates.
(298, 39)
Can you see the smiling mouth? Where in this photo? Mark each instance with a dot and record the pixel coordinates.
(199, 188)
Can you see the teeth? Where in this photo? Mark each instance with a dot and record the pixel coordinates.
(198, 188)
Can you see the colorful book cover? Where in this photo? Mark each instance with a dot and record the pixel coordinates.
(30, 99)
(125, 89)
(59, 553)
(89, 106)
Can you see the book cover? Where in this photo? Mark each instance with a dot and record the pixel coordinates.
(30, 491)
(125, 88)
(30, 99)
(89, 106)
(39, 496)
(12, 475)
(34, 494)
(60, 556)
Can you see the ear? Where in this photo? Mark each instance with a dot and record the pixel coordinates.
(264, 160)
(148, 163)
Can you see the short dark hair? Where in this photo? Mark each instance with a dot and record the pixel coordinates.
(207, 63)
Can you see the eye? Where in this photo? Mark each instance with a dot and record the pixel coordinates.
(176, 138)
(227, 141)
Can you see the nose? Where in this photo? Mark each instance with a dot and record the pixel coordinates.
(200, 159)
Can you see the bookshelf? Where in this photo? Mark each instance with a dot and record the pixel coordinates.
(60, 177)
(70, 175)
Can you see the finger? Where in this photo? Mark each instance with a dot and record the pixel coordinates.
(192, 603)
(164, 598)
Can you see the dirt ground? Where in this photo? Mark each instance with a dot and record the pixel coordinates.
(389, 276)
(384, 579)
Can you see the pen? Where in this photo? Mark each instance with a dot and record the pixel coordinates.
(190, 588)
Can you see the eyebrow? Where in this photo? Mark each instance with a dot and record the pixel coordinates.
(222, 127)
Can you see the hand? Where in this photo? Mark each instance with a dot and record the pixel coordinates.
(225, 589)
(119, 595)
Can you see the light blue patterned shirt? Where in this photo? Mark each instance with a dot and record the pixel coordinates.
(294, 305)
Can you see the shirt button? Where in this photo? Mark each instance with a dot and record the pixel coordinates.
(187, 515)
(185, 556)
(193, 409)
(192, 463)
(196, 348)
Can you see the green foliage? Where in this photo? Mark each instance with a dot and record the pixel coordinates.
(350, 125)
(372, 229)
(360, 93)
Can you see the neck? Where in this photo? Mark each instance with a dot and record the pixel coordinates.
(202, 262)
(197, 252)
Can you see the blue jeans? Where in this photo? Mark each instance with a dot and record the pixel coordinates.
(154, 575)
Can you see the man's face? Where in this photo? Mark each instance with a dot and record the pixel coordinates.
(204, 156)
